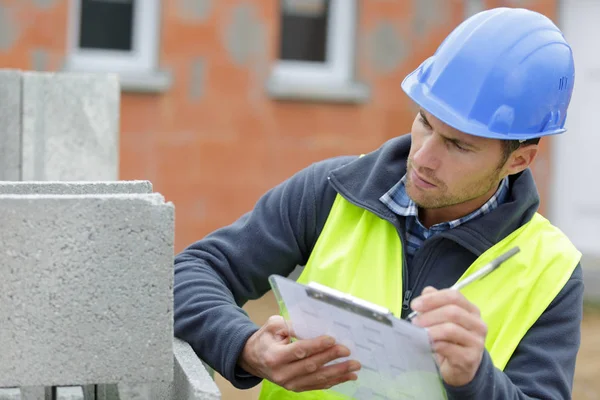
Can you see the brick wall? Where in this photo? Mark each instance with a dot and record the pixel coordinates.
(215, 141)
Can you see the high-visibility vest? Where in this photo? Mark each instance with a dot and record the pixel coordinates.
(361, 254)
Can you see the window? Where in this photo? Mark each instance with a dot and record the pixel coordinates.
(120, 36)
(316, 49)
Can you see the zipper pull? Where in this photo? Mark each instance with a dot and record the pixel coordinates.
(406, 300)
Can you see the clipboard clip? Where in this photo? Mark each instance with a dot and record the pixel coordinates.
(349, 303)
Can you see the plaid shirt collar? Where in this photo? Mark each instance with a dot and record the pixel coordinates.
(397, 200)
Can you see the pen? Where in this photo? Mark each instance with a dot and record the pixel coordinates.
(491, 266)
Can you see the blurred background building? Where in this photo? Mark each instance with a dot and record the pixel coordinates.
(223, 99)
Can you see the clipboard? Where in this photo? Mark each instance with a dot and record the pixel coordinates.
(396, 356)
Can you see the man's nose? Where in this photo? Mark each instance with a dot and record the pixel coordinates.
(428, 155)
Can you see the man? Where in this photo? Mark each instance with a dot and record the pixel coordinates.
(419, 213)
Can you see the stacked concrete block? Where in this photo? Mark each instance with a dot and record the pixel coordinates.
(76, 187)
(10, 125)
(26, 393)
(191, 380)
(10, 394)
(58, 126)
(87, 261)
(86, 294)
(40, 393)
(69, 393)
(70, 126)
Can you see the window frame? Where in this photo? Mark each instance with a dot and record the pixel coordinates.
(145, 43)
(339, 67)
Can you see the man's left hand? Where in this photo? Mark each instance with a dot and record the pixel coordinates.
(456, 331)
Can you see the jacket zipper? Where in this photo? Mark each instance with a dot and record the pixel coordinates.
(406, 301)
(425, 265)
(409, 292)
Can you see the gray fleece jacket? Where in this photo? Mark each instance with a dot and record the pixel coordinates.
(216, 275)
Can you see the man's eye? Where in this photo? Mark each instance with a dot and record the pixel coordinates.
(459, 147)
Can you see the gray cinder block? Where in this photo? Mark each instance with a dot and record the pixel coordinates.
(10, 394)
(10, 127)
(191, 380)
(36, 393)
(69, 393)
(89, 392)
(107, 392)
(86, 289)
(137, 391)
(70, 126)
(80, 187)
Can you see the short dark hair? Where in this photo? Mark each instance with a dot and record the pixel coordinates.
(511, 145)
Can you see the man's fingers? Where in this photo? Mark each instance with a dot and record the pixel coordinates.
(277, 326)
(436, 299)
(302, 349)
(275, 322)
(428, 289)
(451, 313)
(336, 381)
(453, 333)
(456, 354)
(314, 362)
(323, 377)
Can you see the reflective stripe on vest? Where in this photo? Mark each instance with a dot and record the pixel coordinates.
(361, 254)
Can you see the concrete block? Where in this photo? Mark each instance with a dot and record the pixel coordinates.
(10, 128)
(89, 392)
(107, 392)
(69, 393)
(136, 391)
(191, 381)
(10, 394)
(81, 187)
(70, 126)
(86, 289)
(36, 393)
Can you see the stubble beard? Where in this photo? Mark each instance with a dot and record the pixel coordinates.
(440, 196)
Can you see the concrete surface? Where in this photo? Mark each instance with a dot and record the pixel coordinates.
(70, 126)
(36, 393)
(10, 128)
(10, 394)
(107, 392)
(135, 392)
(191, 380)
(86, 289)
(69, 393)
(81, 187)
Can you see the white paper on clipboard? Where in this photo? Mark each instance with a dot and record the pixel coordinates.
(396, 356)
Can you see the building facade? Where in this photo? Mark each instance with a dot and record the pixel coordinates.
(222, 100)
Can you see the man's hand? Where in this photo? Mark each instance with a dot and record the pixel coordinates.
(297, 366)
(456, 330)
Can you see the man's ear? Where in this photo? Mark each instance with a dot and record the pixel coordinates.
(520, 159)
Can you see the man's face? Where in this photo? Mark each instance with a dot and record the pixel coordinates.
(447, 167)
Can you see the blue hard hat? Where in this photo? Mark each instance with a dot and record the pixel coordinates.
(504, 73)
